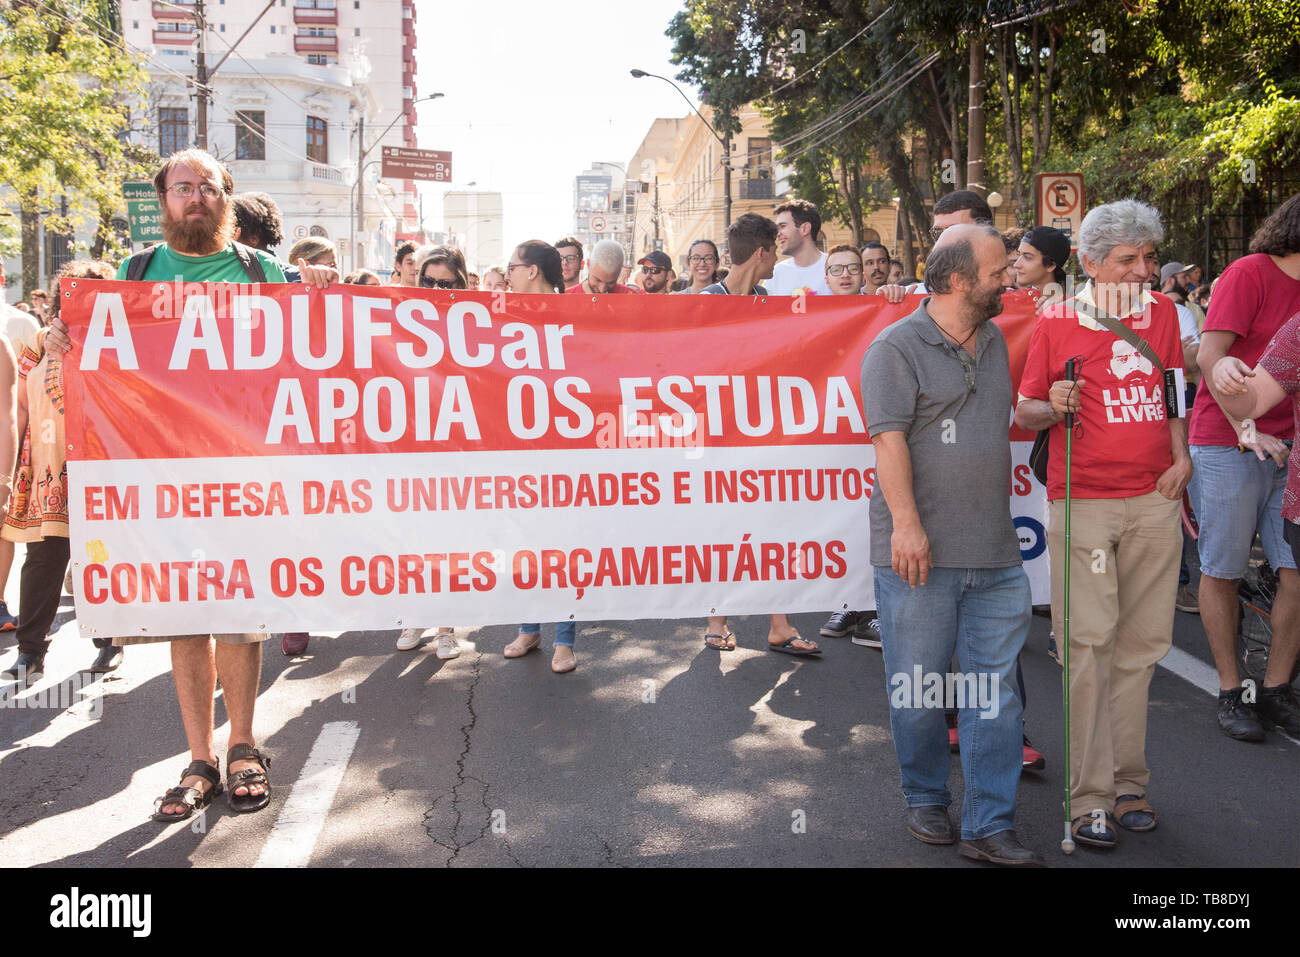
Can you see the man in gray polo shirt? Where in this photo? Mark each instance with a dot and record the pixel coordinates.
(937, 393)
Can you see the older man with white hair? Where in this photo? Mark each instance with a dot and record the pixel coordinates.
(604, 267)
(1130, 465)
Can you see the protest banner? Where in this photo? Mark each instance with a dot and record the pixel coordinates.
(276, 457)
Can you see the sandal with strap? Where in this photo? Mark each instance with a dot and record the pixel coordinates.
(192, 798)
(246, 803)
(1134, 813)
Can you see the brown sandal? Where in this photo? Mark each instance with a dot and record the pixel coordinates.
(1141, 815)
(192, 798)
(249, 802)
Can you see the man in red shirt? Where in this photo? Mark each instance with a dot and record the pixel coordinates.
(1130, 466)
(1241, 475)
(603, 271)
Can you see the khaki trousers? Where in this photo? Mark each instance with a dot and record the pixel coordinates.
(1123, 580)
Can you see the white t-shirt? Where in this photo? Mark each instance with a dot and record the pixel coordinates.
(1187, 323)
(19, 327)
(788, 279)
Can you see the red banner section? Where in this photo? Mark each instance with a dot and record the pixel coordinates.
(291, 458)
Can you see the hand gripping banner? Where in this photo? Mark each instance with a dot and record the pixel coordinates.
(279, 458)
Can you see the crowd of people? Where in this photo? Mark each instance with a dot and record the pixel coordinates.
(945, 556)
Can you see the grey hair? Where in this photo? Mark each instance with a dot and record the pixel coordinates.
(1125, 222)
(955, 258)
(608, 255)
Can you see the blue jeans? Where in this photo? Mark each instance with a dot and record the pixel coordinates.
(983, 615)
(564, 632)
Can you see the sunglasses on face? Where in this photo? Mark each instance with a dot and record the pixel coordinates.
(937, 231)
(652, 270)
(428, 282)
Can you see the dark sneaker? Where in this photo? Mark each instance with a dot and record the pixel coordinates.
(1031, 759)
(7, 621)
(26, 669)
(1237, 718)
(867, 633)
(839, 624)
(294, 643)
(1187, 601)
(1278, 707)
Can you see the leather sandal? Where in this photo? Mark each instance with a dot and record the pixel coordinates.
(247, 803)
(1134, 813)
(1095, 830)
(192, 798)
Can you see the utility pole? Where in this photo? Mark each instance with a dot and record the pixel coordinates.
(726, 178)
(656, 246)
(358, 257)
(201, 76)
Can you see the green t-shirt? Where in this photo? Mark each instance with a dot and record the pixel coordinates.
(219, 267)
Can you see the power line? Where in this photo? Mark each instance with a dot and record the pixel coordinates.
(843, 110)
(52, 10)
(819, 63)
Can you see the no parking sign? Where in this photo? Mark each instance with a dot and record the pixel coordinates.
(1060, 203)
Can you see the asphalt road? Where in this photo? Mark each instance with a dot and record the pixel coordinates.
(656, 751)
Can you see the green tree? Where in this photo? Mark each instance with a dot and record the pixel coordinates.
(65, 80)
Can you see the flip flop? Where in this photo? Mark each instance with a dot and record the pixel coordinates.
(725, 646)
(786, 648)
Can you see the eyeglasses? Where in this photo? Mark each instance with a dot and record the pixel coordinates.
(967, 368)
(569, 260)
(702, 260)
(186, 190)
(839, 268)
(652, 270)
(428, 282)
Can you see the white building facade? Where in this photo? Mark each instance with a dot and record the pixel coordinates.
(311, 85)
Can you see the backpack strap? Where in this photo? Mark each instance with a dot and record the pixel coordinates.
(139, 263)
(250, 262)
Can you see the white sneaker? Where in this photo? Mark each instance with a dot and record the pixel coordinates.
(448, 647)
(410, 638)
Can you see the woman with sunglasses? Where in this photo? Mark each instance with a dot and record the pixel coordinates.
(535, 267)
(442, 267)
(701, 266)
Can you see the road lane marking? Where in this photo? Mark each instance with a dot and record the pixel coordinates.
(294, 834)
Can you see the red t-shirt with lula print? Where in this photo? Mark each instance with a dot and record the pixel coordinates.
(1121, 443)
(1281, 360)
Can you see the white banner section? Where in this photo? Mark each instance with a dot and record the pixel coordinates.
(372, 542)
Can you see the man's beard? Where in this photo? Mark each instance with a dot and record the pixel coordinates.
(983, 308)
(199, 237)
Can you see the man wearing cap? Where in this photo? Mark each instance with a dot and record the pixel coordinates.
(656, 273)
(1041, 263)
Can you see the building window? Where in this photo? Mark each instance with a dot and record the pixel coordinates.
(250, 134)
(318, 32)
(356, 31)
(135, 24)
(173, 129)
(759, 162)
(318, 59)
(168, 26)
(317, 140)
(223, 28)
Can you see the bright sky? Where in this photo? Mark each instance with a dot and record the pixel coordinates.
(534, 93)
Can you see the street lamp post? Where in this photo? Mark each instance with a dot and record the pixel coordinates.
(359, 207)
(725, 141)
